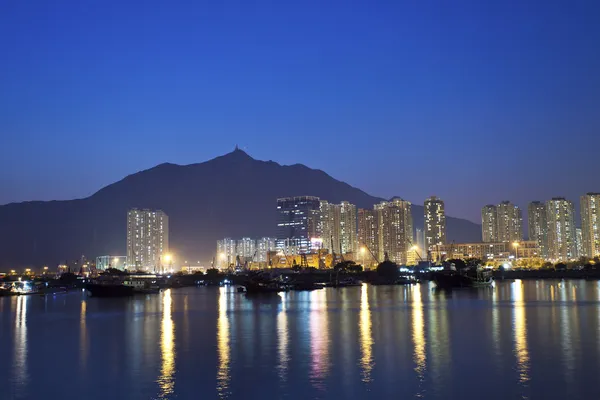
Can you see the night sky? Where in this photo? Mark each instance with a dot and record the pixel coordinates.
(474, 101)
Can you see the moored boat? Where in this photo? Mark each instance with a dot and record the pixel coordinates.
(450, 279)
(109, 290)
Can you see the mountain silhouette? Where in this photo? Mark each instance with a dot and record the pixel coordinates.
(232, 195)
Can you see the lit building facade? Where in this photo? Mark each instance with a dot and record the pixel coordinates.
(579, 242)
(105, 262)
(537, 223)
(329, 226)
(297, 223)
(226, 253)
(245, 248)
(590, 224)
(263, 247)
(562, 241)
(489, 224)
(510, 222)
(489, 251)
(368, 235)
(347, 228)
(435, 222)
(395, 230)
(147, 238)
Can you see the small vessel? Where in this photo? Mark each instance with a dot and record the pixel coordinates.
(449, 279)
(109, 289)
(263, 283)
(305, 286)
(346, 282)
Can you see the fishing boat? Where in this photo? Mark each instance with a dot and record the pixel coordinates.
(101, 289)
(342, 283)
(264, 283)
(452, 279)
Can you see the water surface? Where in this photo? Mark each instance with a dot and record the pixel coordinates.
(518, 340)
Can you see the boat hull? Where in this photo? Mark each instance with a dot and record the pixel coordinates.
(97, 290)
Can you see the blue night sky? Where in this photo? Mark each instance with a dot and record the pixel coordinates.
(474, 101)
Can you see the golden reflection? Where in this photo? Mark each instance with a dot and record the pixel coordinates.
(520, 331)
(319, 331)
(83, 340)
(566, 336)
(283, 339)
(166, 381)
(20, 346)
(223, 345)
(418, 334)
(366, 338)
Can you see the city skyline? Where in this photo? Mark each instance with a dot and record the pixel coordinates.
(311, 78)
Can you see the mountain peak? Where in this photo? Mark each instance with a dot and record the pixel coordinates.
(238, 153)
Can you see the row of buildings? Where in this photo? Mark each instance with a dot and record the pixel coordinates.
(309, 225)
(551, 226)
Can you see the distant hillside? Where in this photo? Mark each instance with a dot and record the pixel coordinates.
(233, 195)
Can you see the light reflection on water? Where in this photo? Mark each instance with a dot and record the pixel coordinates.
(166, 381)
(418, 337)
(21, 375)
(283, 340)
(319, 344)
(542, 339)
(366, 338)
(223, 345)
(520, 333)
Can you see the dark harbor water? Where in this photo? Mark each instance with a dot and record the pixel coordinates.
(533, 340)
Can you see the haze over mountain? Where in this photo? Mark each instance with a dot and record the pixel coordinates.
(232, 195)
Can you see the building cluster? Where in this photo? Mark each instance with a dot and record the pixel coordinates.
(243, 251)
(147, 243)
(319, 233)
(552, 225)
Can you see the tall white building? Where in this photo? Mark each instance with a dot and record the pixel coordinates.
(502, 223)
(562, 240)
(329, 228)
(347, 228)
(245, 248)
(435, 223)
(489, 224)
(395, 230)
(537, 223)
(226, 253)
(579, 242)
(590, 224)
(147, 239)
(337, 227)
(263, 247)
(510, 222)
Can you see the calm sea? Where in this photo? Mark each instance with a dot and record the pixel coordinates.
(517, 340)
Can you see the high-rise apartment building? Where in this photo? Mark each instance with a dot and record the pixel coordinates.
(226, 252)
(435, 223)
(347, 224)
(297, 223)
(147, 239)
(590, 224)
(263, 247)
(510, 222)
(537, 223)
(501, 223)
(245, 248)
(489, 224)
(368, 235)
(560, 214)
(329, 226)
(395, 230)
(579, 242)
(337, 227)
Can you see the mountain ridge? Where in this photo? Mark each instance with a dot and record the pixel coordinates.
(232, 195)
